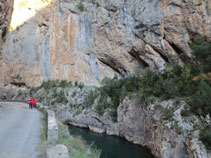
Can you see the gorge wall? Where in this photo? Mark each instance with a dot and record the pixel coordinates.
(88, 40)
(6, 8)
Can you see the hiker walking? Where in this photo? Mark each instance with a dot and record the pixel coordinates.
(31, 103)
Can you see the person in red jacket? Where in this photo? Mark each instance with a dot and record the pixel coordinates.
(35, 103)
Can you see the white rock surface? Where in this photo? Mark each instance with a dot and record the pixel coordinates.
(58, 151)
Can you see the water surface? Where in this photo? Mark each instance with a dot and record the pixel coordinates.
(111, 146)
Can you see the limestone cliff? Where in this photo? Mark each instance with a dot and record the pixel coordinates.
(5, 17)
(88, 40)
(6, 8)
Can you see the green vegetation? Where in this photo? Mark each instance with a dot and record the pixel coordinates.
(81, 6)
(111, 94)
(168, 114)
(55, 84)
(80, 85)
(20, 93)
(61, 98)
(186, 113)
(74, 94)
(177, 128)
(205, 136)
(90, 98)
(77, 147)
(57, 94)
(201, 99)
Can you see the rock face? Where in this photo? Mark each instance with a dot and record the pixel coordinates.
(87, 41)
(6, 8)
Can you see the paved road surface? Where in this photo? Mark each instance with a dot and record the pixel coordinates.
(19, 130)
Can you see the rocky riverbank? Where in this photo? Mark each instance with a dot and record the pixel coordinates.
(162, 125)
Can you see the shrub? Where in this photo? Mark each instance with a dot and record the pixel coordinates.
(74, 94)
(47, 85)
(102, 104)
(76, 83)
(113, 115)
(81, 85)
(168, 114)
(90, 98)
(170, 88)
(55, 83)
(202, 52)
(158, 87)
(64, 83)
(20, 93)
(54, 95)
(205, 136)
(185, 113)
(81, 6)
(61, 98)
(177, 128)
(201, 99)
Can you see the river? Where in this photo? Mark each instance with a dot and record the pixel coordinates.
(111, 146)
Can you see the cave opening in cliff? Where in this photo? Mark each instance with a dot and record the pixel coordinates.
(18, 84)
(24, 10)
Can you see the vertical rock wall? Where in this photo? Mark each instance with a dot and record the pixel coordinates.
(6, 8)
(90, 40)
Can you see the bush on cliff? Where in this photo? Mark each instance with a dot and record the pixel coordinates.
(202, 52)
(205, 136)
(201, 99)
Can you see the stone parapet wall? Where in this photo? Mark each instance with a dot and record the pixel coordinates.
(52, 126)
(58, 150)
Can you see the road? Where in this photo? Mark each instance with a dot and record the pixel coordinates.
(19, 130)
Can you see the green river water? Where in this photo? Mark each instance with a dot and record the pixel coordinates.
(111, 146)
